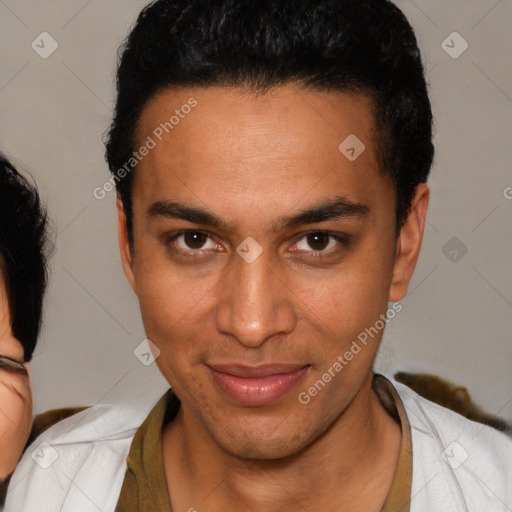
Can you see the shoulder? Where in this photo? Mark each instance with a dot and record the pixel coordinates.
(45, 420)
(79, 460)
(456, 461)
(42, 422)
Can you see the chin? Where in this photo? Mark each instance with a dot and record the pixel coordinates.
(253, 451)
(255, 444)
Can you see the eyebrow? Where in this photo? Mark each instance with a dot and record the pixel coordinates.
(332, 209)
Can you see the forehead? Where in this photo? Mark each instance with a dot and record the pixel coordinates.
(274, 147)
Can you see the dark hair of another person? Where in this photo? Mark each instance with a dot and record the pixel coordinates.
(353, 46)
(23, 254)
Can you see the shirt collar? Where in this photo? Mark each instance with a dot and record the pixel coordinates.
(145, 480)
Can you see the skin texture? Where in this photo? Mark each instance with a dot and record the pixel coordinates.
(253, 160)
(15, 395)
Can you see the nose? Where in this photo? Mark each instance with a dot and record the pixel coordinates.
(255, 303)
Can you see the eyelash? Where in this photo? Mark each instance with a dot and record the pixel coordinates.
(343, 240)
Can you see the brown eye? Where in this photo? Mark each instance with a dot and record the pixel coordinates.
(194, 239)
(318, 241)
(321, 242)
(191, 242)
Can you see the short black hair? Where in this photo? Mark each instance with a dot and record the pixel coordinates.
(24, 251)
(362, 46)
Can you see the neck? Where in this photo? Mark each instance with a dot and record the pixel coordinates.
(349, 467)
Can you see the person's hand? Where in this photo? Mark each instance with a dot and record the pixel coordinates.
(15, 406)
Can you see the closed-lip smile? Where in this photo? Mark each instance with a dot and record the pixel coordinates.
(256, 385)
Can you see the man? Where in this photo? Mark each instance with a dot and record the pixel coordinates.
(271, 161)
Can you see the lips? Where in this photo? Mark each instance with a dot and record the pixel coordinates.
(256, 386)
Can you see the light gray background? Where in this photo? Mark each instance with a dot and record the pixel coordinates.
(457, 318)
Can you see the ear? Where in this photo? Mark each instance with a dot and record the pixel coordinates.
(409, 244)
(124, 245)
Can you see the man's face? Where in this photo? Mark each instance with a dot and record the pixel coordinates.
(220, 317)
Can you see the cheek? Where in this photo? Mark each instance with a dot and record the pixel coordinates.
(15, 419)
(18, 411)
(174, 304)
(349, 300)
